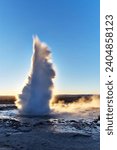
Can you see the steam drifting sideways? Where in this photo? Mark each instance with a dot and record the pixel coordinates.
(36, 94)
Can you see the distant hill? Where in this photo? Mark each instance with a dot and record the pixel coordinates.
(7, 99)
(67, 98)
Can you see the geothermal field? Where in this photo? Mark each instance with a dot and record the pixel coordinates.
(68, 127)
(37, 119)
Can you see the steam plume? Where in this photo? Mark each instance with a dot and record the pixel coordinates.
(81, 104)
(36, 94)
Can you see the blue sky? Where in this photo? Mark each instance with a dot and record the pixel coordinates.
(69, 27)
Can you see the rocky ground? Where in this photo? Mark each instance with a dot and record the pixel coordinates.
(48, 134)
(53, 132)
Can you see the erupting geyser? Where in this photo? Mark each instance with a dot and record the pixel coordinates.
(36, 94)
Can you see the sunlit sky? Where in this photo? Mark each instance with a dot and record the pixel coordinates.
(69, 27)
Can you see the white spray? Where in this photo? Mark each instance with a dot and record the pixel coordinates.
(37, 92)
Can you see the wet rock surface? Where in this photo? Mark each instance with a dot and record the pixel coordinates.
(80, 127)
(7, 107)
(53, 132)
(48, 134)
